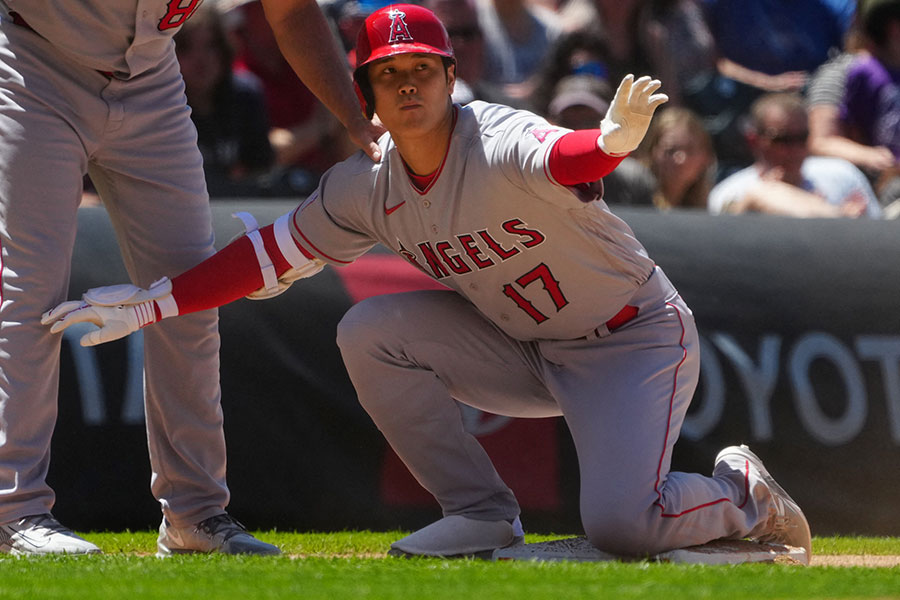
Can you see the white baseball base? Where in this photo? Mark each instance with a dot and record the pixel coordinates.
(719, 552)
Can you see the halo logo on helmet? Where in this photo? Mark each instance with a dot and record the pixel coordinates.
(399, 30)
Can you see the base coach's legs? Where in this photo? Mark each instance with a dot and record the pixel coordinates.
(159, 206)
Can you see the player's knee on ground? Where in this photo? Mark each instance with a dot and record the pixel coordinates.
(623, 530)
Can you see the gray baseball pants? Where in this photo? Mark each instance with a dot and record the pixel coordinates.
(58, 120)
(623, 396)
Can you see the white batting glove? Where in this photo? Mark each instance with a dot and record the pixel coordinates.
(629, 114)
(118, 310)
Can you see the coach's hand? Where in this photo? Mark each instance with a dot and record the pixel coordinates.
(118, 310)
(365, 134)
(629, 114)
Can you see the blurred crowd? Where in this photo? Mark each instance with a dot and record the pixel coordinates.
(788, 108)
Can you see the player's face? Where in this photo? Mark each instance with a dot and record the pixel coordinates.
(412, 92)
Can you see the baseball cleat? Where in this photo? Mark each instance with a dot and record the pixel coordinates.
(786, 525)
(42, 534)
(457, 536)
(221, 533)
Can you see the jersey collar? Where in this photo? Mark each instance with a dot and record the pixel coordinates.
(423, 183)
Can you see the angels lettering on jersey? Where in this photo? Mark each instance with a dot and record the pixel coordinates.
(472, 251)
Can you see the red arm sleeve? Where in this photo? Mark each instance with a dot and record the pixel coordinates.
(229, 274)
(576, 158)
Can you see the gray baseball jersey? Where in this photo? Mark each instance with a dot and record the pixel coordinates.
(126, 38)
(539, 259)
(538, 271)
(94, 86)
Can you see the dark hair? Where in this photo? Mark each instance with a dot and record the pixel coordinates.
(361, 76)
(876, 16)
(557, 63)
(211, 17)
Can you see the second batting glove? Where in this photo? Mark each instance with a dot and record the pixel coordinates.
(629, 114)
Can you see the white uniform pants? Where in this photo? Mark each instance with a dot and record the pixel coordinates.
(57, 120)
(623, 396)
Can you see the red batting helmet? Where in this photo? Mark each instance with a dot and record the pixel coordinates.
(397, 29)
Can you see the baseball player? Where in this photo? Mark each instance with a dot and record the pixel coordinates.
(554, 308)
(94, 86)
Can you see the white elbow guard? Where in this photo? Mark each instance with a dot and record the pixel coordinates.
(301, 265)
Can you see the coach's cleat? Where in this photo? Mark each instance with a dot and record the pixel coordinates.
(786, 524)
(42, 534)
(457, 536)
(221, 533)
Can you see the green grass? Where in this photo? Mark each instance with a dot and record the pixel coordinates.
(340, 565)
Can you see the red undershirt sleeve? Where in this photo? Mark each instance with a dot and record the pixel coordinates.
(234, 271)
(228, 275)
(576, 158)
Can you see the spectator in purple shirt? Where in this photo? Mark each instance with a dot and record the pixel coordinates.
(871, 105)
(870, 110)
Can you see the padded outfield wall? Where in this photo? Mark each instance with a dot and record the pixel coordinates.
(800, 328)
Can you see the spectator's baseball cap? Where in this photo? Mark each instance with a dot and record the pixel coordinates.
(580, 90)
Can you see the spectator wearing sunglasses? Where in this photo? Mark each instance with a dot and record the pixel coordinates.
(784, 179)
